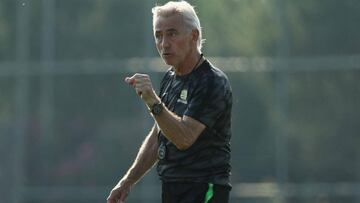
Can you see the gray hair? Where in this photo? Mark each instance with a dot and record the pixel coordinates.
(186, 10)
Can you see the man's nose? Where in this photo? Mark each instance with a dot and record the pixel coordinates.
(165, 43)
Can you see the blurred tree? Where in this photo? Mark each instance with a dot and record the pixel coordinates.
(233, 28)
(325, 27)
(96, 29)
(100, 29)
(7, 30)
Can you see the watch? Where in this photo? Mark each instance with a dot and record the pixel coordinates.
(157, 108)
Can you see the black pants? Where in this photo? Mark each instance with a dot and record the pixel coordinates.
(194, 193)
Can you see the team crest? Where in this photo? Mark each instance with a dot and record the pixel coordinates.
(183, 96)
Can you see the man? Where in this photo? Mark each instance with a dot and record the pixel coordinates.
(190, 140)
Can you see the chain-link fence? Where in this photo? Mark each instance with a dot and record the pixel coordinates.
(70, 127)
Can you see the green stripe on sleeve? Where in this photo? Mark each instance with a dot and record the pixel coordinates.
(210, 193)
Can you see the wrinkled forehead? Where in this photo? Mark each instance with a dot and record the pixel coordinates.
(166, 22)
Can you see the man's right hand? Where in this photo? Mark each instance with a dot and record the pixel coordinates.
(119, 193)
(143, 87)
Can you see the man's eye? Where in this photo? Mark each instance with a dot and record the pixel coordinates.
(158, 37)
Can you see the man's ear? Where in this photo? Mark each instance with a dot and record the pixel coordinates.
(195, 34)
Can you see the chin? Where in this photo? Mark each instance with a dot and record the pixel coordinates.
(168, 61)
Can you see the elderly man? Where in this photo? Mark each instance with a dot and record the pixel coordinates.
(190, 139)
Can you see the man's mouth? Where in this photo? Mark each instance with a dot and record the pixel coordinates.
(166, 54)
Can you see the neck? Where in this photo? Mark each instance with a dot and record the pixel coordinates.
(191, 63)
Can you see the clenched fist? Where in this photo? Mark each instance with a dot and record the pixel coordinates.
(143, 87)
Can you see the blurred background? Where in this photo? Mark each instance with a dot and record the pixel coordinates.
(70, 127)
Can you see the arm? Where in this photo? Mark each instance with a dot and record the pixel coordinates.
(181, 131)
(145, 160)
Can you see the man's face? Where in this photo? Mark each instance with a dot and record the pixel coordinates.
(173, 41)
